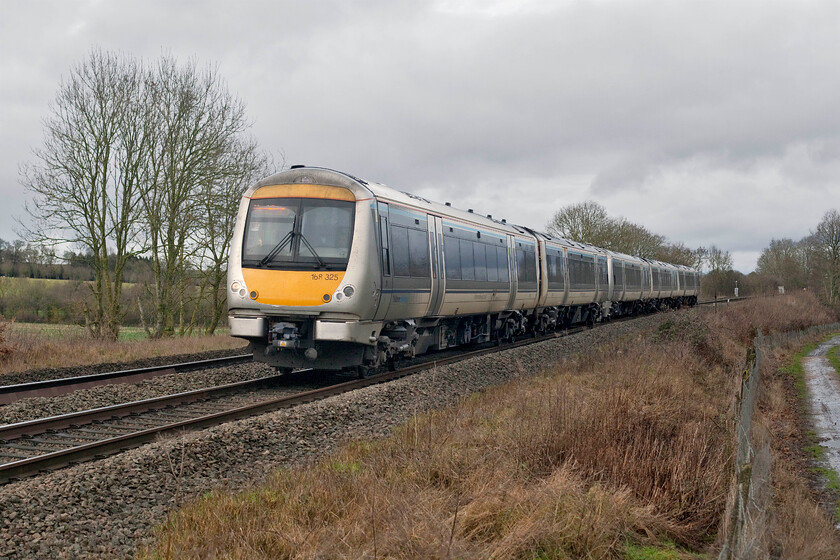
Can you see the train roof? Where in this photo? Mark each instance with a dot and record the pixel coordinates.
(331, 177)
(405, 198)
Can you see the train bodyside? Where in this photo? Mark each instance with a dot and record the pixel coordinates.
(333, 272)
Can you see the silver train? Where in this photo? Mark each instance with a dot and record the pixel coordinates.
(332, 272)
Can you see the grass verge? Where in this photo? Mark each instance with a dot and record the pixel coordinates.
(834, 357)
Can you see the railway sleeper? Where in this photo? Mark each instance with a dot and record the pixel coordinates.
(15, 456)
(19, 447)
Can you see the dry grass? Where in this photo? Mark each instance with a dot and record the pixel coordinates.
(44, 347)
(784, 313)
(630, 443)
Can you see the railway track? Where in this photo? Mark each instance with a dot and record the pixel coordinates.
(55, 387)
(723, 300)
(27, 448)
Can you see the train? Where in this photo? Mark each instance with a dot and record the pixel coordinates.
(332, 272)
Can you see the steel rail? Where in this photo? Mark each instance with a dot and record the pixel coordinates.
(54, 387)
(723, 300)
(73, 419)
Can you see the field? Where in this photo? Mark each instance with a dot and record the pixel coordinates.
(51, 301)
(621, 452)
(43, 318)
(75, 332)
(39, 345)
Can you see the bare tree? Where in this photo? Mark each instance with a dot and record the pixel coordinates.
(785, 261)
(198, 125)
(85, 181)
(718, 264)
(676, 253)
(633, 239)
(586, 222)
(826, 241)
(220, 202)
(718, 260)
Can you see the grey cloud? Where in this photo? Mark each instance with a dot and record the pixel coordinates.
(491, 105)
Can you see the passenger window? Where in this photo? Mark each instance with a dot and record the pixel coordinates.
(526, 265)
(531, 266)
(492, 264)
(504, 266)
(467, 266)
(451, 253)
(399, 244)
(480, 258)
(555, 271)
(418, 250)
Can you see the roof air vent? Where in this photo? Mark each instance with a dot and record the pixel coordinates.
(504, 221)
(297, 166)
(470, 210)
(490, 216)
(449, 204)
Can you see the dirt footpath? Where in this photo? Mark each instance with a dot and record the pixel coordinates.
(823, 384)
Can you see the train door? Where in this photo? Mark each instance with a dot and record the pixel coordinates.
(542, 272)
(385, 261)
(514, 282)
(603, 277)
(438, 274)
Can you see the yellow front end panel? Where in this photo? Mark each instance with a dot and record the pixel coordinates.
(292, 288)
(304, 191)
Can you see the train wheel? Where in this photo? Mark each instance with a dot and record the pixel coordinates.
(363, 372)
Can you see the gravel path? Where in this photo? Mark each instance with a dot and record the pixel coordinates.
(823, 387)
(107, 508)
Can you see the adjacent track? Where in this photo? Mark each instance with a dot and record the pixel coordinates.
(49, 443)
(54, 387)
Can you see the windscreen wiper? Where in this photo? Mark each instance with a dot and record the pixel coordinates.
(280, 246)
(321, 262)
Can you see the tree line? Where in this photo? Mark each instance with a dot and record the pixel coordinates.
(812, 262)
(144, 160)
(22, 259)
(589, 222)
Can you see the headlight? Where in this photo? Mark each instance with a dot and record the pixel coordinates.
(234, 287)
(349, 291)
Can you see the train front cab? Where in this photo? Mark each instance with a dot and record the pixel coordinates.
(297, 292)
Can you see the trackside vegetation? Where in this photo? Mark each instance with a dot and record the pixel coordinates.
(623, 451)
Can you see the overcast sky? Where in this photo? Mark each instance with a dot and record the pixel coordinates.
(706, 122)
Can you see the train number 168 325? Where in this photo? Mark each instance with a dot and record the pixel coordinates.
(325, 276)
